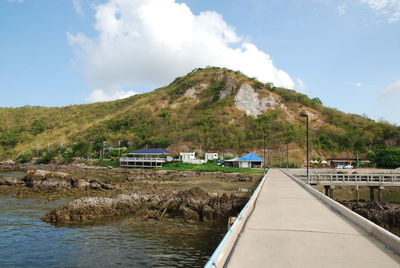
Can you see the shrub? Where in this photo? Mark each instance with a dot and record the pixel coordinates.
(67, 155)
(386, 158)
(46, 157)
(24, 157)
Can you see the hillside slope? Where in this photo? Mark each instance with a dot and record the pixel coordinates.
(212, 109)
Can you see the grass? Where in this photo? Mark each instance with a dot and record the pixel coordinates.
(207, 167)
(106, 163)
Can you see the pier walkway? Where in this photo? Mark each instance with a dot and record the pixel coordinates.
(290, 227)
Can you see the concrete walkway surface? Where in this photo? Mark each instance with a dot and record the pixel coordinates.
(291, 228)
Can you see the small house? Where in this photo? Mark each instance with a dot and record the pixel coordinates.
(249, 160)
(210, 156)
(190, 158)
(187, 157)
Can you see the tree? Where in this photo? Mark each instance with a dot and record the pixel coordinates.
(37, 127)
(46, 157)
(24, 157)
(318, 100)
(9, 139)
(81, 148)
(386, 158)
(67, 155)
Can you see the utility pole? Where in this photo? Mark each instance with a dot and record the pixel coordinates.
(308, 153)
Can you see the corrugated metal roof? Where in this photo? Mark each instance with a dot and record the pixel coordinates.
(150, 151)
(250, 157)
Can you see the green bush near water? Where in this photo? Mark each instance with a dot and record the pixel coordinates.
(207, 167)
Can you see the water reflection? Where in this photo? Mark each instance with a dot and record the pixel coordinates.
(27, 241)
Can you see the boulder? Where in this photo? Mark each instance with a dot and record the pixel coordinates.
(189, 205)
(11, 181)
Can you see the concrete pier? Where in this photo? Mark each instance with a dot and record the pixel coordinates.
(290, 227)
(372, 192)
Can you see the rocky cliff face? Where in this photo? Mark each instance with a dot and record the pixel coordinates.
(249, 101)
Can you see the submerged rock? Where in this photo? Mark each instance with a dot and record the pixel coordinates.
(190, 205)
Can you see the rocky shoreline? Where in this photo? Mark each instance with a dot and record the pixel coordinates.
(47, 179)
(100, 193)
(384, 214)
(189, 205)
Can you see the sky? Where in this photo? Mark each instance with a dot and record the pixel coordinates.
(57, 53)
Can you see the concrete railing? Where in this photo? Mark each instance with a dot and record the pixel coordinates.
(365, 178)
(390, 240)
(221, 254)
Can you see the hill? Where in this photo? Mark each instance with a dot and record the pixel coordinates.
(211, 109)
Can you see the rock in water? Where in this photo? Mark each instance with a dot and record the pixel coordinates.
(190, 205)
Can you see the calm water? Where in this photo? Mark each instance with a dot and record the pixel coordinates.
(26, 241)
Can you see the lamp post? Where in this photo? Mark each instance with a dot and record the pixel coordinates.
(265, 166)
(119, 148)
(308, 147)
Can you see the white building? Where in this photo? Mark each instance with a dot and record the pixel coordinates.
(187, 157)
(190, 158)
(211, 156)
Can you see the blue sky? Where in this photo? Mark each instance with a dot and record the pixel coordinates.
(56, 53)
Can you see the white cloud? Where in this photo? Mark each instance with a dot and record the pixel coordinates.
(388, 8)
(342, 9)
(300, 85)
(78, 7)
(391, 91)
(101, 95)
(354, 84)
(154, 41)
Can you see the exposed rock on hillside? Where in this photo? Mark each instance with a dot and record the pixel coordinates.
(230, 85)
(248, 101)
(192, 92)
(190, 205)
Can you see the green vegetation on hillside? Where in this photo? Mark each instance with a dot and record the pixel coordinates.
(167, 118)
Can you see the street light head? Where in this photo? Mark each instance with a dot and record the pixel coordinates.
(303, 115)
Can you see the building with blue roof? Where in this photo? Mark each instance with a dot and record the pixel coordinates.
(145, 158)
(249, 160)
